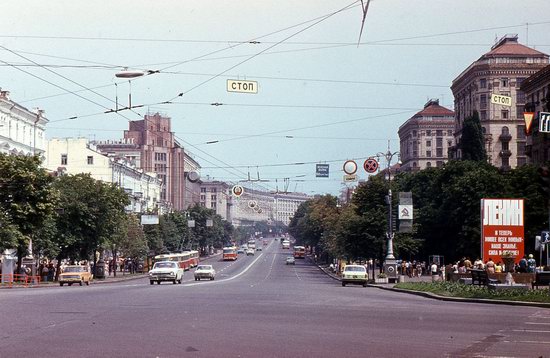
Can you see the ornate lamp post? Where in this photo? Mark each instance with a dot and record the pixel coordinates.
(390, 258)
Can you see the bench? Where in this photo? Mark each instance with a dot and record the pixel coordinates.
(541, 279)
(481, 278)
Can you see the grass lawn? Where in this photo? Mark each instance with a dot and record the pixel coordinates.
(455, 289)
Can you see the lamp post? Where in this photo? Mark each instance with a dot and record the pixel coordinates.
(390, 258)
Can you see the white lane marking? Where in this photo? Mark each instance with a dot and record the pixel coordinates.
(268, 273)
(227, 279)
(538, 323)
(529, 342)
(529, 331)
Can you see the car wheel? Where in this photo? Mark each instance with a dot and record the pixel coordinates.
(88, 283)
(343, 284)
(365, 284)
(80, 283)
(158, 282)
(174, 282)
(212, 278)
(60, 283)
(152, 282)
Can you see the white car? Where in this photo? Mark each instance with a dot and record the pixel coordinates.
(250, 252)
(205, 271)
(166, 271)
(356, 274)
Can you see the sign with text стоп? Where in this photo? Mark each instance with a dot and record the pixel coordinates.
(502, 228)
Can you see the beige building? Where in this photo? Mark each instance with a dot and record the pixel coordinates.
(426, 137)
(498, 72)
(537, 98)
(216, 195)
(286, 205)
(76, 155)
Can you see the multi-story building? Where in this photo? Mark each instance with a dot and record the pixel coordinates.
(216, 195)
(498, 72)
(76, 155)
(286, 205)
(426, 137)
(193, 183)
(537, 99)
(153, 147)
(22, 131)
(253, 205)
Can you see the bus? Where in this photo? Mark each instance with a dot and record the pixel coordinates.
(252, 244)
(229, 253)
(185, 260)
(299, 252)
(286, 244)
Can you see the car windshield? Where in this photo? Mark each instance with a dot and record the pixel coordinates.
(74, 269)
(204, 267)
(165, 265)
(355, 268)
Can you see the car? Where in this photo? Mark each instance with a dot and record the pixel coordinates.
(75, 274)
(355, 274)
(240, 250)
(290, 260)
(166, 271)
(259, 248)
(205, 271)
(250, 252)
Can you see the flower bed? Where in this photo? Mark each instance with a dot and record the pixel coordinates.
(455, 289)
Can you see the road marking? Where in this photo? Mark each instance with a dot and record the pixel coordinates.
(529, 331)
(528, 342)
(538, 323)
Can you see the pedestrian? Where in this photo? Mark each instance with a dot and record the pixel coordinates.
(434, 271)
(498, 267)
(51, 272)
(523, 264)
(44, 272)
(531, 264)
(490, 266)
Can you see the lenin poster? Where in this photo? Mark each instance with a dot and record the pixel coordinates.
(502, 228)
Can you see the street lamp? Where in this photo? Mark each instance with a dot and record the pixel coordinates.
(390, 258)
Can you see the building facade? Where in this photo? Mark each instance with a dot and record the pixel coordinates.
(426, 137)
(253, 205)
(216, 195)
(151, 144)
(286, 205)
(537, 99)
(500, 71)
(22, 132)
(76, 155)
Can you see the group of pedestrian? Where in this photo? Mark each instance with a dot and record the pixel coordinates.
(412, 269)
(526, 265)
(46, 271)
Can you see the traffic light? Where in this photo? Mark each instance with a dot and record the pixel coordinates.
(544, 180)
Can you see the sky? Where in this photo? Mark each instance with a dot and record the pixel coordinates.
(323, 96)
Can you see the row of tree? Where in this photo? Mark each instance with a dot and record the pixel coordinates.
(446, 213)
(76, 216)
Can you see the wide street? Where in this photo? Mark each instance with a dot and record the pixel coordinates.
(260, 307)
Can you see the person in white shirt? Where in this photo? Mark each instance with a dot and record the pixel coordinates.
(435, 273)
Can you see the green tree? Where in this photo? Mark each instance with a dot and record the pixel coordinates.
(134, 243)
(472, 142)
(26, 200)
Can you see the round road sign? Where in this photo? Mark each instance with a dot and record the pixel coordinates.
(350, 167)
(370, 165)
(237, 190)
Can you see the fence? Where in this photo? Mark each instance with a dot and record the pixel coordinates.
(18, 280)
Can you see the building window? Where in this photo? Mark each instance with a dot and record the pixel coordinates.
(213, 197)
(483, 115)
(90, 160)
(428, 133)
(483, 101)
(521, 161)
(519, 81)
(414, 133)
(521, 149)
(203, 205)
(213, 205)
(521, 132)
(63, 159)
(439, 142)
(439, 163)
(439, 152)
(450, 132)
(504, 114)
(428, 143)
(504, 82)
(203, 197)
(429, 153)
(214, 190)
(428, 164)
(483, 83)
(203, 190)
(439, 133)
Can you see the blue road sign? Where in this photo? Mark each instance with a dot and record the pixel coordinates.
(322, 171)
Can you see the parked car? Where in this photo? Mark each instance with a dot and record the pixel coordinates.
(75, 274)
(290, 260)
(166, 271)
(355, 274)
(205, 271)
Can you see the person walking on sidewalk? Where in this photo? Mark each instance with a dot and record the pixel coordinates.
(434, 271)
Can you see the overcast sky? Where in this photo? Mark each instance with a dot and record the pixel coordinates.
(336, 100)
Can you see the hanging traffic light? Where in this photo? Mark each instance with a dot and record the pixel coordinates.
(544, 180)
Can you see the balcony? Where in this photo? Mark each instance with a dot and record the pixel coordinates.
(505, 137)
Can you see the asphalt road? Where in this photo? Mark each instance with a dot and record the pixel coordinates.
(260, 307)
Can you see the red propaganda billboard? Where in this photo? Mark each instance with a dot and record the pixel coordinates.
(502, 228)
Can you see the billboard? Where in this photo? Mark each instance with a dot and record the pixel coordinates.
(502, 228)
